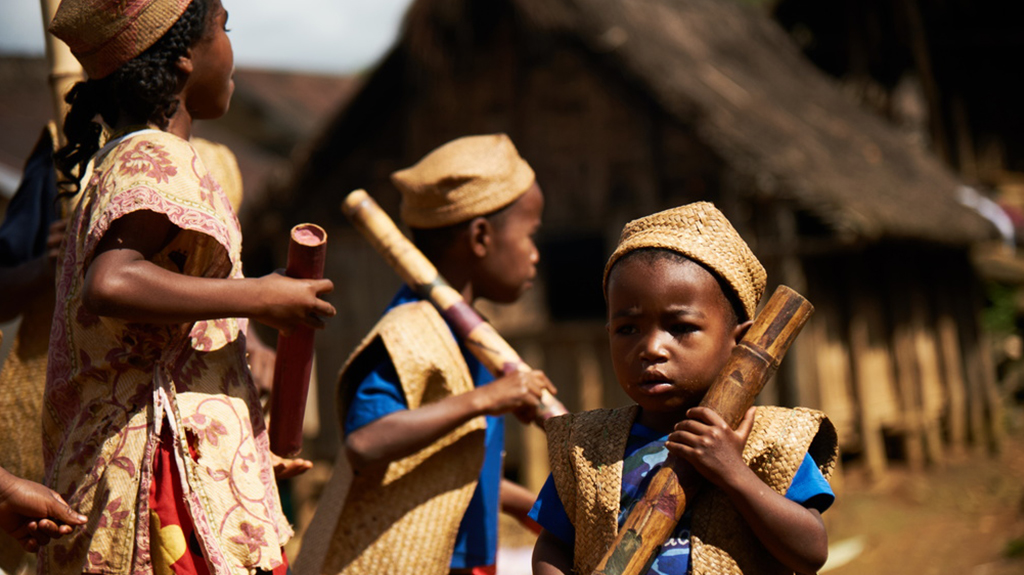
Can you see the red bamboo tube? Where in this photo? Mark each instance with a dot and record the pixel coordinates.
(306, 254)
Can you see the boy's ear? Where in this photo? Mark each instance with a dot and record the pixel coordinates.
(480, 232)
(741, 330)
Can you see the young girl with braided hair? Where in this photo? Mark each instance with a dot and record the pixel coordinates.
(151, 424)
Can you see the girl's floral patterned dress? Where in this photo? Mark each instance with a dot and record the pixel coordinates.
(113, 386)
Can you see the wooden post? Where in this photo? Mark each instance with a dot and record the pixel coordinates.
(64, 68)
(834, 372)
(797, 384)
(929, 370)
(969, 328)
(872, 370)
(923, 64)
(906, 374)
(989, 398)
(953, 371)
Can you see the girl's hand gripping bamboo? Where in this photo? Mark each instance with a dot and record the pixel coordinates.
(416, 270)
(307, 251)
(752, 363)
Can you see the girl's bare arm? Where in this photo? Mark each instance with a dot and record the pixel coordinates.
(121, 282)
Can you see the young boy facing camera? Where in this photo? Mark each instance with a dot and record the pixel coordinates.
(681, 289)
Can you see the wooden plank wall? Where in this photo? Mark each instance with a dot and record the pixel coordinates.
(902, 363)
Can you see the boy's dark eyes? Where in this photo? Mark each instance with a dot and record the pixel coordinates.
(683, 328)
(624, 329)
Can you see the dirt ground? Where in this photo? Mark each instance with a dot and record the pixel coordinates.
(965, 517)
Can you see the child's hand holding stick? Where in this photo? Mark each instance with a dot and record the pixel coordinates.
(416, 270)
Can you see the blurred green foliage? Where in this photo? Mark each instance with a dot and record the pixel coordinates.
(1014, 548)
(1000, 315)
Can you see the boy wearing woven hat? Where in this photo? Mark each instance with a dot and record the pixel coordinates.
(681, 289)
(421, 414)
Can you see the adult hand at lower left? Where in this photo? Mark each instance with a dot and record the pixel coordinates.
(32, 513)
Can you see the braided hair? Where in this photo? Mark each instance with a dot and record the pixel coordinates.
(143, 90)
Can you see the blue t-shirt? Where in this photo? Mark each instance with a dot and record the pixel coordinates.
(380, 394)
(645, 452)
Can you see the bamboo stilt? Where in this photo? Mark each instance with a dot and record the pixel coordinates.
(872, 375)
(953, 372)
(929, 372)
(65, 70)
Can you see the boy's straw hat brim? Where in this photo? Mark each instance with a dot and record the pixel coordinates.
(702, 233)
(465, 178)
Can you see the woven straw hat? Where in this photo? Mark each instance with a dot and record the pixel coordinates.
(465, 178)
(106, 35)
(702, 233)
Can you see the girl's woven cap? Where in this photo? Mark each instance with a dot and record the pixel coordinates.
(702, 233)
(106, 35)
(465, 178)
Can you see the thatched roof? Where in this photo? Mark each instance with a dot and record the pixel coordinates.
(736, 78)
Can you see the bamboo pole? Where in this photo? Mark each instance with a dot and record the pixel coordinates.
(419, 273)
(65, 70)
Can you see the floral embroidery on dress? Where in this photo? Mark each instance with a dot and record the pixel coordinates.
(252, 536)
(148, 158)
(106, 376)
(207, 427)
(113, 516)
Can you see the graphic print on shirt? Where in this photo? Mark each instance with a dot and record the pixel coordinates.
(673, 557)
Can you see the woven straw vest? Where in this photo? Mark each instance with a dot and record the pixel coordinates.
(404, 519)
(586, 452)
(22, 381)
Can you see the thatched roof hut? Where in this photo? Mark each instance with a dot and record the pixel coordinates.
(626, 107)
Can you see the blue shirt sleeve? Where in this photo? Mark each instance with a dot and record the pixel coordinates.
(377, 395)
(809, 487)
(550, 514)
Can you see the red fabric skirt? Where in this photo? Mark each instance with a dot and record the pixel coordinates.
(174, 546)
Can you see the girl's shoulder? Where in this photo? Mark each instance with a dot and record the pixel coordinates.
(151, 158)
(152, 144)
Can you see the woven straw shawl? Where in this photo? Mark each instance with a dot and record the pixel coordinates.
(586, 452)
(405, 519)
